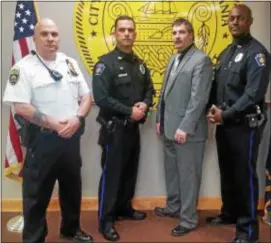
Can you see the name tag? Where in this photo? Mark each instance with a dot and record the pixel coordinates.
(122, 75)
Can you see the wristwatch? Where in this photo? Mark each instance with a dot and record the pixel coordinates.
(81, 119)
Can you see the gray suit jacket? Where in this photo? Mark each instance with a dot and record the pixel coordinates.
(186, 94)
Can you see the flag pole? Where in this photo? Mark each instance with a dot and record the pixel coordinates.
(15, 224)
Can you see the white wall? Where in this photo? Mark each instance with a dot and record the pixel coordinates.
(151, 174)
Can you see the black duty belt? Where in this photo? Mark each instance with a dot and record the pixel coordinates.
(115, 121)
(35, 128)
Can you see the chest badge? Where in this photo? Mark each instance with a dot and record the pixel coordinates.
(239, 57)
(142, 69)
(71, 68)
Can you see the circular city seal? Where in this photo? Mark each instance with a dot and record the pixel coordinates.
(93, 24)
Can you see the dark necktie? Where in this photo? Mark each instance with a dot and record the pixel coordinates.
(173, 69)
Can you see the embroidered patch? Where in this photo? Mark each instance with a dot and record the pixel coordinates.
(260, 59)
(14, 76)
(99, 69)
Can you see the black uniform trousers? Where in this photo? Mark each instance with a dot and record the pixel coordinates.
(120, 157)
(237, 147)
(50, 158)
(267, 197)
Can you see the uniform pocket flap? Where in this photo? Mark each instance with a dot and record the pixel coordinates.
(123, 80)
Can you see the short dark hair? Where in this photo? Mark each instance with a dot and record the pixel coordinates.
(183, 21)
(123, 17)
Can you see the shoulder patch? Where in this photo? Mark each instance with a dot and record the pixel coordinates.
(99, 69)
(260, 59)
(14, 76)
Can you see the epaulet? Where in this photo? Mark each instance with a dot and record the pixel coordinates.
(225, 49)
(141, 61)
(102, 58)
(228, 46)
(259, 45)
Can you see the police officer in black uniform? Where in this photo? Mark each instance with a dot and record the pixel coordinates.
(237, 99)
(123, 89)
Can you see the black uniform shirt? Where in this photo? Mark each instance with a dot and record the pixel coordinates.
(241, 77)
(119, 81)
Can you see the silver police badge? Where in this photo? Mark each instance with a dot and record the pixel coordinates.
(239, 57)
(142, 69)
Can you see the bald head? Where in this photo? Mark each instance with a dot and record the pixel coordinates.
(244, 9)
(44, 22)
(240, 20)
(46, 38)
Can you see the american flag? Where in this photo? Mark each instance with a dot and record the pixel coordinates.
(25, 19)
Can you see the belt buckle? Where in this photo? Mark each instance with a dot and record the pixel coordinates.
(46, 130)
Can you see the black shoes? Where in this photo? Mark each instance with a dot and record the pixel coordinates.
(267, 218)
(80, 237)
(180, 231)
(164, 213)
(243, 240)
(110, 234)
(220, 220)
(132, 214)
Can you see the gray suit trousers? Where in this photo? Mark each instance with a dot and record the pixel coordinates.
(183, 169)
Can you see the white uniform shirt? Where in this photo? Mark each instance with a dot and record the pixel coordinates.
(34, 85)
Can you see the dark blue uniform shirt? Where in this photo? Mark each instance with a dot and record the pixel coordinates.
(241, 78)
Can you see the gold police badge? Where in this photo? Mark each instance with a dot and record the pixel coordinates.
(93, 24)
(260, 59)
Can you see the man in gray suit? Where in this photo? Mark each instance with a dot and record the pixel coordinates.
(182, 124)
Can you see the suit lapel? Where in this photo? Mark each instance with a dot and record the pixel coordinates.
(166, 77)
(172, 78)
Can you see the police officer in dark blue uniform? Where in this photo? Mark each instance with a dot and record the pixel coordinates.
(123, 90)
(237, 99)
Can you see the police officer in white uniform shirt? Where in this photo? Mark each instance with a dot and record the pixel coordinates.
(48, 91)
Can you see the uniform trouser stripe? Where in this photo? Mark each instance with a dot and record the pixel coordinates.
(268, 175)
(103, 184)
(267, 207)
(251, 179)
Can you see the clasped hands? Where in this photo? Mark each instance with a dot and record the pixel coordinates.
(214, 115)
(138, 111)
(66, 128)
